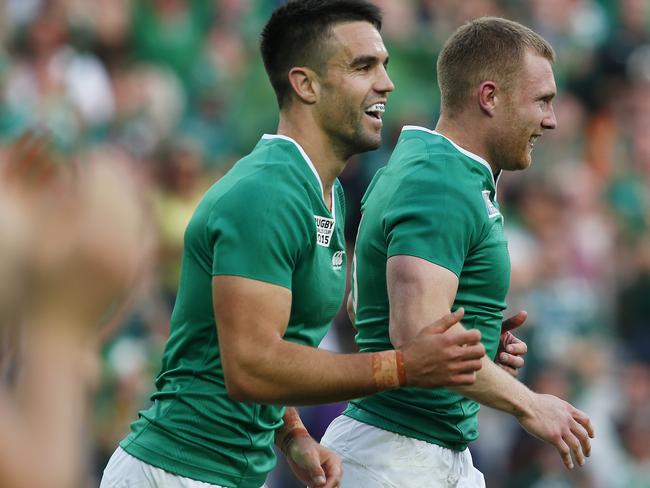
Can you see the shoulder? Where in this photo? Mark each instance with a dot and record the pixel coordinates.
(263, 181)
(429, 176)
(255, 194)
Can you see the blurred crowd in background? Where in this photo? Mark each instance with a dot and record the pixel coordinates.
(176, 90)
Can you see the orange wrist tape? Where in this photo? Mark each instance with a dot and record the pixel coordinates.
(388, 369)
(292, 429)
(291, 435)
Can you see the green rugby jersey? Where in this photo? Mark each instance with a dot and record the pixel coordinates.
(266, 220)
(436, 201)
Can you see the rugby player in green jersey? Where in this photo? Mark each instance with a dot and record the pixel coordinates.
(263, 275)
(431, 240)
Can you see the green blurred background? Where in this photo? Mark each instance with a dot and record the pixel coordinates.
(176, 89)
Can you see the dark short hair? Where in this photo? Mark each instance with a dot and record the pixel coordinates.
(488, 48)
(297, 32)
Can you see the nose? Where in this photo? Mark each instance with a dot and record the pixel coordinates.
(384, 84)
(549, 121)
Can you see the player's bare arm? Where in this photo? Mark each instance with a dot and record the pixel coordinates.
(432, 291)
(413, 305)
(260, 366)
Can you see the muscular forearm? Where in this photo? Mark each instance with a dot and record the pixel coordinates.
(260, 366)
(289, 373)
(546, 417)
(497, 389)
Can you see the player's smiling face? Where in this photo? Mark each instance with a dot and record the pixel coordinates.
(354, 87)
(528, 111)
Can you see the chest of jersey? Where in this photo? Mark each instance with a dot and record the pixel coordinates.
(318, 284)
(485, 278)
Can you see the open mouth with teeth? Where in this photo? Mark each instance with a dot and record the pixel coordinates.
(376, 110)
(532, 140)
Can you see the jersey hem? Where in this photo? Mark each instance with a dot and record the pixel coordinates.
(428, 259)
(173, 466)
(263, 279)
(366, 417)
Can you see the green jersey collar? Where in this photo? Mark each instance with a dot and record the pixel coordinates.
(311, 166)
(467, 153)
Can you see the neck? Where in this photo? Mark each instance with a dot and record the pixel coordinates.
(468, 134)
(326, 159)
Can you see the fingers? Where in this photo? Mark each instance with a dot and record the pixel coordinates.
(515, 346)
(565, 452)
(511, 352)
(463, 379)
(471, 353)
(466, 375)
(583, 437)
(560, 424)
(333, 468)
(583, 419)
(467, 339)
(513, 322)
(509, 362)
(465, 368)
(469, 366)
(467, 362)
(448, 320)
(576, 448)
(309, 458)
(318, 479)
(577, 439)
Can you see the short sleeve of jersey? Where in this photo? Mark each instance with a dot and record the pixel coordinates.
(257, 231)
(430, 216)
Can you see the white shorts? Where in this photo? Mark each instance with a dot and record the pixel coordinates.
(126, 471)
(376, 458)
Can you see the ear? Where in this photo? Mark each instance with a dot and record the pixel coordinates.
(304, 83)
(487, 97)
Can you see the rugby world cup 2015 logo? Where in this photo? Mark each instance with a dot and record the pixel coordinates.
(324, 230)
(337, 260)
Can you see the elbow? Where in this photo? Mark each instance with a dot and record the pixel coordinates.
(241, 384)
(237, 394)
(238, 388)
(249, 372)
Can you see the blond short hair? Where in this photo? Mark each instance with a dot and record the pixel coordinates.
(487, 48)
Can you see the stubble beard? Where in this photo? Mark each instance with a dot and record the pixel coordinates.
(352, 138)
(515, 151)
